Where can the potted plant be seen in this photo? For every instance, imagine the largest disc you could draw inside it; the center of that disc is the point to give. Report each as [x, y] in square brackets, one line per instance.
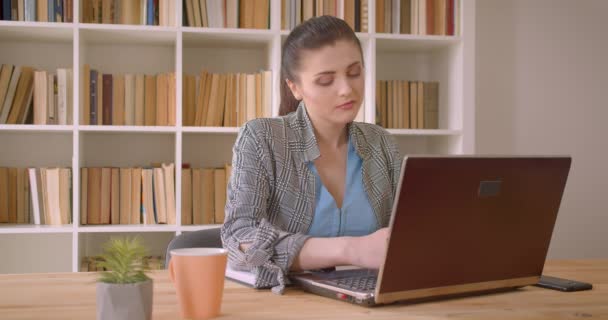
[124, 291]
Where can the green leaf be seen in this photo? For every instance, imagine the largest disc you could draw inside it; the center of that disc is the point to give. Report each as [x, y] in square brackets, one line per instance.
[123, 260]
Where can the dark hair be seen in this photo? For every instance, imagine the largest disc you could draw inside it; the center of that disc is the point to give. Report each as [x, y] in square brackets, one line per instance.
[313, 34]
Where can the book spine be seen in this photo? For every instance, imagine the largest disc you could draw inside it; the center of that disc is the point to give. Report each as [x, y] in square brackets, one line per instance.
[93, 93]
[58, 10]
[107, 99]
[150, 13]
[6, 10]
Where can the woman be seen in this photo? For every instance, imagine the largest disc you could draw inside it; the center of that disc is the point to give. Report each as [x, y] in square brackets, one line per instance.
[311, 189]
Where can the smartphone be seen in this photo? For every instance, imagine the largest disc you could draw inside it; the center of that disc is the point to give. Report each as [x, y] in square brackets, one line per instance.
[562, 284]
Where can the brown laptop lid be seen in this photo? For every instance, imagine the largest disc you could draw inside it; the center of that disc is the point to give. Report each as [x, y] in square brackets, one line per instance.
[469, 220]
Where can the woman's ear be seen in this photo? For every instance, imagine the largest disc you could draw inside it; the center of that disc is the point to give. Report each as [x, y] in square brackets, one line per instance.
[294, 89]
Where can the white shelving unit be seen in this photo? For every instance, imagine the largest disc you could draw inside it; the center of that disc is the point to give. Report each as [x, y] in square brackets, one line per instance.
[150, 49]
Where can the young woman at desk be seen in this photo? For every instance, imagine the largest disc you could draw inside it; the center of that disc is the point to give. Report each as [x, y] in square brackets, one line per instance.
[311, 188]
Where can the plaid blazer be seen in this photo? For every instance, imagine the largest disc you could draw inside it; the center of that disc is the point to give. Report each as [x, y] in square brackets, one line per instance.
[271, 192]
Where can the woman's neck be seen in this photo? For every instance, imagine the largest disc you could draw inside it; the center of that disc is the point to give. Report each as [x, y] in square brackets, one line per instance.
[329, 135]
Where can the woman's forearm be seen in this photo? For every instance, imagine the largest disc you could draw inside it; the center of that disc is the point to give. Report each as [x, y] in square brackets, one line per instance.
[318, 253]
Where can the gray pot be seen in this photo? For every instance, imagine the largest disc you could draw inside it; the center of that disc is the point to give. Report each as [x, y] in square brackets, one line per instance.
[124, 301]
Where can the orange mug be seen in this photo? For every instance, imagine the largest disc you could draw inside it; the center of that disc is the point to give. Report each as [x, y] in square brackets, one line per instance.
[198, 277]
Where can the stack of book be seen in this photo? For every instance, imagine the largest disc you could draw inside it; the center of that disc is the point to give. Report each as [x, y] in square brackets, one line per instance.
[37, 10]
[294, 12]
[35, 196]
[407, 104]
[91, 263]
[29, 96]
[204, 195]
[250, 14]
[422, 17]
[229, 100]
[128, 99]
[128, 195]
[142, 12]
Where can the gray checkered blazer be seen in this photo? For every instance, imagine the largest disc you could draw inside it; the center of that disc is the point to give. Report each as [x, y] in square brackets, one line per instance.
[271, 193]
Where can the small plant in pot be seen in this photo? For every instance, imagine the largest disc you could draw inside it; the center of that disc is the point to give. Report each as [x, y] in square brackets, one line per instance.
[124, 291]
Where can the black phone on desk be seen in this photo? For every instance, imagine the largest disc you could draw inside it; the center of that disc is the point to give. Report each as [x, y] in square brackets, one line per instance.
[560, 284]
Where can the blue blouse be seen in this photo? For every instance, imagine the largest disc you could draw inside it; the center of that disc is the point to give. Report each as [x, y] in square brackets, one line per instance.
[356, 217]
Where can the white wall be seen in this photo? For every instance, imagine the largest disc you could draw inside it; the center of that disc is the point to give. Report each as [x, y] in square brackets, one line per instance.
[542, 88]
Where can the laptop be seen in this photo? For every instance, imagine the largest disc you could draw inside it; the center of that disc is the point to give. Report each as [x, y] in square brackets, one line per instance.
[460, 225]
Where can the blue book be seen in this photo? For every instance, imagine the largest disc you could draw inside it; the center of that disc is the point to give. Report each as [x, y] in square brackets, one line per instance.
[6, 10]
[51, 10]
[150, 13]
[58, 10]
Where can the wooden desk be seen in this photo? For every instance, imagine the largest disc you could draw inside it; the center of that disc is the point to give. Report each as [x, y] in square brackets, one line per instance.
[72, 296]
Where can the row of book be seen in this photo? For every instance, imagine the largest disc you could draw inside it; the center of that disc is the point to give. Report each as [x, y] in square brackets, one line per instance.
[247, 14]
[128, 195]
[91, 263]
[407, 104]
[421, 17]
[229, 100]
[294, 12]
[140, 12]
[128, 99]
[204, 195]
[29, 96]
[37, 10]
[35, 196]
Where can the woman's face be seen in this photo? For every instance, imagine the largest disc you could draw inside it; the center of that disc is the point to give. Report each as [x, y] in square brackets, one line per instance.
[330, 80]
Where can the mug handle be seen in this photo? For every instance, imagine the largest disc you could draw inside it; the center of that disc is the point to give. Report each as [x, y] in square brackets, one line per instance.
[171, 271]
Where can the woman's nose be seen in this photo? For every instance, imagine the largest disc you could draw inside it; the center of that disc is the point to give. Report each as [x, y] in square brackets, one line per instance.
[345, 87]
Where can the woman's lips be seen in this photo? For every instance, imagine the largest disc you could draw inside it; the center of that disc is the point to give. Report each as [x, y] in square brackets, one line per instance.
[347, 106]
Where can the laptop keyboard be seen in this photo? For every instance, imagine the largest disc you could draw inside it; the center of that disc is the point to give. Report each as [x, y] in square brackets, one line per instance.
[364, 283]
[363, 280]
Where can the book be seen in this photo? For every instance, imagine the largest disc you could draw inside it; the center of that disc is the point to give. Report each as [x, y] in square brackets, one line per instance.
[219, 181]
[12, 195]
[136, 206]
[150, 100]
[40, 97]
[169, 182]
[125, 195]
[10, 94]
[186, 213]
[115, 196]
[208, 196]
[94, 196]
[4, 196]
[84, 180]
[243, 277]
[106, 194]
[85, 109]
[5, 78]
[197, 196]
[118, 100]
[23, 92]
[64, 186]
[129, 101]
[139, 99]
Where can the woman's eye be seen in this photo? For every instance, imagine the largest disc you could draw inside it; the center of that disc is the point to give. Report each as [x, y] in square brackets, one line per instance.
[355, 72]
[324, 81]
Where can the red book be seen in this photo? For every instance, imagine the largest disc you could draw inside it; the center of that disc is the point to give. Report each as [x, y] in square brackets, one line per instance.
[450, 18]
[107, 99]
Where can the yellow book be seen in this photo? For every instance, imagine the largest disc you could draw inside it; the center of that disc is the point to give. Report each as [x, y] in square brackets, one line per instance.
[186, 196]
[208, 196]
[219, 181]
[125, 195]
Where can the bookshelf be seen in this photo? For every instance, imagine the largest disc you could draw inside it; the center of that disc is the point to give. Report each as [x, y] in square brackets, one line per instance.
[450, 60]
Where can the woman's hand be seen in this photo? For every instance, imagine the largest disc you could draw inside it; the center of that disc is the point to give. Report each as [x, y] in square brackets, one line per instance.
[368, 251]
